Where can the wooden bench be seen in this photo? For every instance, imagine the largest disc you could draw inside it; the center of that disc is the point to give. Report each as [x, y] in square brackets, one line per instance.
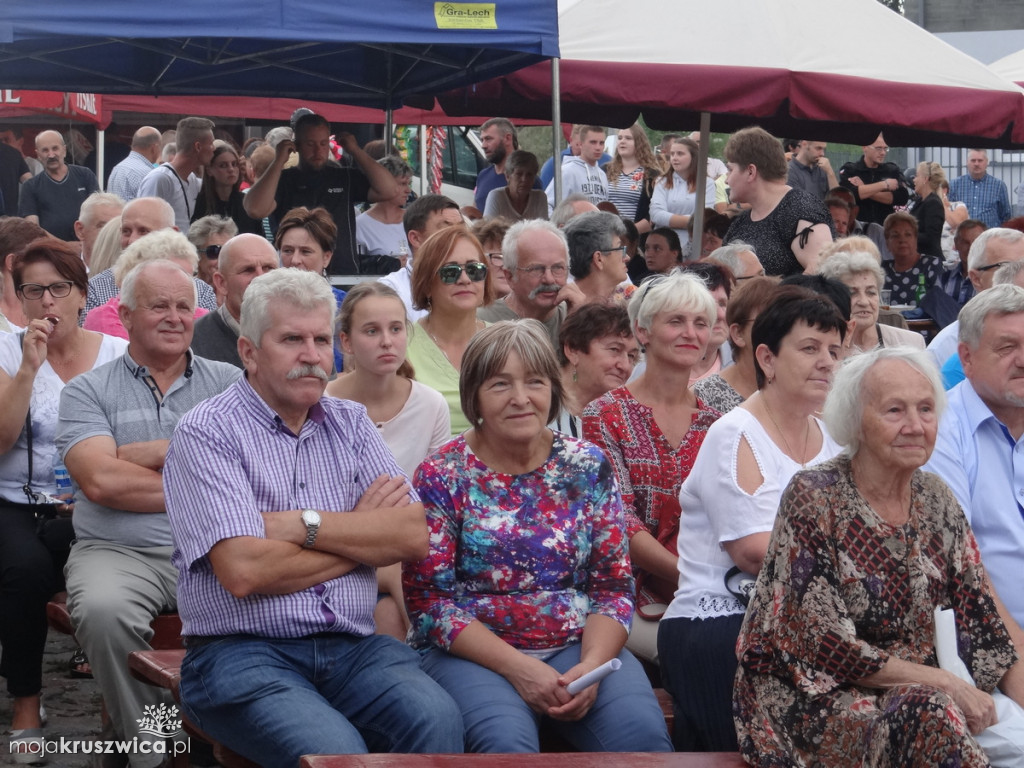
[567, 760]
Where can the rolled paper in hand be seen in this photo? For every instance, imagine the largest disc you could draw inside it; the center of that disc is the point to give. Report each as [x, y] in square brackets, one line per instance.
[593, 677]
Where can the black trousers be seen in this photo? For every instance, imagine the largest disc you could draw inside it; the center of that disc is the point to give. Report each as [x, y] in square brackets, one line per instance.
[31, 570]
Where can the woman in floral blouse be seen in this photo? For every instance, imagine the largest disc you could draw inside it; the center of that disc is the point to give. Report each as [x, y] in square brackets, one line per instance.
[651, 430]
[527, 585]
[837, 652]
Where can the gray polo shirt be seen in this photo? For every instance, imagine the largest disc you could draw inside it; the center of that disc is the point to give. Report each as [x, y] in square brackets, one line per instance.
[809, 178]
[118, 400]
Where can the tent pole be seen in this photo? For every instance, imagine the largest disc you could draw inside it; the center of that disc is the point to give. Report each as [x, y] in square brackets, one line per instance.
[556, 129]
[702, 180]
[389, 129]
[100, 156]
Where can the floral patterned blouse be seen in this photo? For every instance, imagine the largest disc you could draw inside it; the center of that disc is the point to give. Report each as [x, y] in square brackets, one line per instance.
[841, 591]
[530, 556]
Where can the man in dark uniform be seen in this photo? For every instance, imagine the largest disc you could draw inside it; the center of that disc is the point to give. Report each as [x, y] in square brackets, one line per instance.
[879, 187]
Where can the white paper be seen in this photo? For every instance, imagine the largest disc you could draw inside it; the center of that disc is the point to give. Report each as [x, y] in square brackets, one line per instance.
[593, 676]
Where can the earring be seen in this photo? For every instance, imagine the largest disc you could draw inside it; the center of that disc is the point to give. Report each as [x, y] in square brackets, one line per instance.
[575, 378]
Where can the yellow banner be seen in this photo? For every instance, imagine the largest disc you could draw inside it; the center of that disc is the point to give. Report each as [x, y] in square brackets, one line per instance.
[465, 15]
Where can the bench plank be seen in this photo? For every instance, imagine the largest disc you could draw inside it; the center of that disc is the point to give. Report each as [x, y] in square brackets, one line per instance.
[540, 760]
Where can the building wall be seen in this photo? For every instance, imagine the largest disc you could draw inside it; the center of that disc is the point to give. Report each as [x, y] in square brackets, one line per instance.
[960, 16]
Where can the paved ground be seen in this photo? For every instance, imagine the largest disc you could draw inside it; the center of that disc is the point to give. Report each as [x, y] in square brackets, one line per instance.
[73, 705]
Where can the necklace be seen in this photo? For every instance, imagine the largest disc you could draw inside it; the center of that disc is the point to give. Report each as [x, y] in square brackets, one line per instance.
[479, 325]
[789, 450]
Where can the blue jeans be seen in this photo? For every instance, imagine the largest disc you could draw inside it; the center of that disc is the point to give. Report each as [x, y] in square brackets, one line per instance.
[274, 700]
[625, 718]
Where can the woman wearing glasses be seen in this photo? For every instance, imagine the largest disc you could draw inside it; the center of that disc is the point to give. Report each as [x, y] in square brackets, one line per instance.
[208, 234]
[51, 282]
[651, 430]
[450, 282]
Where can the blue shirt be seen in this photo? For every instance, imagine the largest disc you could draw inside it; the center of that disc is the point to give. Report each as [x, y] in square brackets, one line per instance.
[984, 466]
[986, 198]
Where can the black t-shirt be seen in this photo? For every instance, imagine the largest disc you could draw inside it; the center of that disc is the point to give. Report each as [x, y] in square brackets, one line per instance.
[57, 203]
[872, 210]
[12, 168]
[338, 190]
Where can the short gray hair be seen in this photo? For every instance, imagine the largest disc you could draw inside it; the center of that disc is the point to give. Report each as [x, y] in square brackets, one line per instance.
[842, 265]
[510, 244]
[844, 406]
[300, 290]
[488, 351]
[976, 256]
[94, 201]
[129, 286]
[729, 255]
[396, 166]
[1007, 274]
[208, 226]
[166, 244]
[664, 293]
[589, 232]
[997, 300]
[520, 158]
[563, 213]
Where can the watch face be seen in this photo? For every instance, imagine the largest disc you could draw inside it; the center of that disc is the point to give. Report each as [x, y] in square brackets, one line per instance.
[310, 517]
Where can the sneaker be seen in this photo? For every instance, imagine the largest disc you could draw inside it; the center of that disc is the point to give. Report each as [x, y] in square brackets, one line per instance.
[27, 746]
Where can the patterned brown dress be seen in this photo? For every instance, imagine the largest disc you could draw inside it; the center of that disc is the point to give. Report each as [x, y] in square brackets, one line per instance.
[840, 592]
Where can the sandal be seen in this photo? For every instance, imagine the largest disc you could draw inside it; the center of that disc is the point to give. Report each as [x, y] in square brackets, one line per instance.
[75, 664]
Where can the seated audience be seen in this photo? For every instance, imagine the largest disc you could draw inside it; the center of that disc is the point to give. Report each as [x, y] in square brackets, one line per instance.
[208, 234]
[597, 254]
[955, 280]
[597, 352]
[277, 603]
[729, 501]
[837, 651]
[724, 391]
[380, 236]
[107, 247]
[35, 524]
[662, 251]
[112, 433]
[519, 200]
[651, 430]
[859, 271]
[491, 233]
[527, 584]
[451, 283]
[15, 234]
[739, 258]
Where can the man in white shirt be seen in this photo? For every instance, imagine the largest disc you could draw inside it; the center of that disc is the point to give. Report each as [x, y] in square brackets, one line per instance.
[176, 181]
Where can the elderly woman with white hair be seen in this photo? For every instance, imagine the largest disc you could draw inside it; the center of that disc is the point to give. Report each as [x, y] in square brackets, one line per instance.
[163, 244]
[860, 272]
[651, 430]
[837, 651]
[527, 585]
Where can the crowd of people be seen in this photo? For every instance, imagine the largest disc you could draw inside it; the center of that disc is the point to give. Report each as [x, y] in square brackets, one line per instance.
[540, 438]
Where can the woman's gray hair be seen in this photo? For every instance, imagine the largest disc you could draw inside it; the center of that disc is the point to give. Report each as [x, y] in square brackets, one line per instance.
[841, 265]
[203, 229]
[520, 158]
[396, 166]
[997, 300]
[488, 351]
[510, 244]
[130, 283]
[728, 256]
[297, 289]
[162, 244]
[844, 406]
[107, 247]
[664, 293]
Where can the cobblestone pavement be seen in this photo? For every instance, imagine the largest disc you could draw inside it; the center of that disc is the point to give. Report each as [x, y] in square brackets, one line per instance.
[72, 706]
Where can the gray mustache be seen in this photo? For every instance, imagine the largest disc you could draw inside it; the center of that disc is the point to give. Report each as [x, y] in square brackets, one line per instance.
[307, 370]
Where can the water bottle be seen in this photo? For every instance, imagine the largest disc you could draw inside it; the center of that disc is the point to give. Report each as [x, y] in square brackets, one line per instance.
[61, 478]
[922, 289]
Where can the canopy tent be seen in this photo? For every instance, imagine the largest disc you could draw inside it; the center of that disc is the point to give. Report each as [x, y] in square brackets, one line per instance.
[80, 107]
[1010, 67]
[346, 51]
[831, 69]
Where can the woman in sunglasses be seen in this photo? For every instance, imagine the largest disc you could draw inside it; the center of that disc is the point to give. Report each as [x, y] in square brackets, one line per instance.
[451, 282]
[208, 234]
[51, 282]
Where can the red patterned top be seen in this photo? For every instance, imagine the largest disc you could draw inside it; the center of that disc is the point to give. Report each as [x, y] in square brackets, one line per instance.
[648, 468]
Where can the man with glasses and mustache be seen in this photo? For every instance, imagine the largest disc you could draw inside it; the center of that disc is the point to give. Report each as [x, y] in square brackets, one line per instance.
[276, 541]
[114, 427]
[536, 264]
[879, 187]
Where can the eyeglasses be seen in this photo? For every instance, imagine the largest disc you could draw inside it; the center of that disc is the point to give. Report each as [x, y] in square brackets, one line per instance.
[997, 265]
[450, 273]
[880, 149]
[213, 251]
[538, 270]
[748, 277]
[619, 249]
[495, 258]
[33, 291]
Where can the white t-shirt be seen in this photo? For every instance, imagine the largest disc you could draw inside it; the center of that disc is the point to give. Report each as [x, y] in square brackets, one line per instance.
[420, 428]
[378, 237]
[45, 404]
[715, 510]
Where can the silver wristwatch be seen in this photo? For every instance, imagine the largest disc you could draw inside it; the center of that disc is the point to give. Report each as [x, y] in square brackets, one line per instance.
[312, 520]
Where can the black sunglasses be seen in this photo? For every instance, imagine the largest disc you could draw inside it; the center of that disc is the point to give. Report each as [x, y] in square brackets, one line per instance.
[475, 271]
[213, 251]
